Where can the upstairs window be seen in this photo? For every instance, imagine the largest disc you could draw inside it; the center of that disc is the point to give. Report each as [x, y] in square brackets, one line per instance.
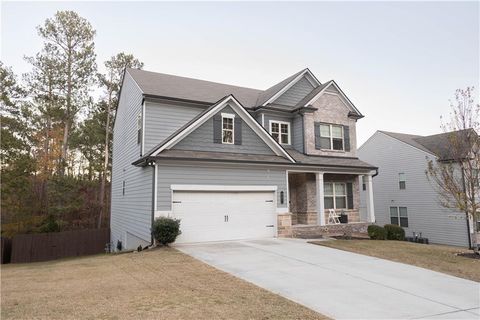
[402, 181]
[280, 131]
[331, 137]
[139, 128]
[399, 216]
[227, 128]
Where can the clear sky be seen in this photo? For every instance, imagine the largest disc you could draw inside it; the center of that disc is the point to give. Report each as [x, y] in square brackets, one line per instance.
[399, 62]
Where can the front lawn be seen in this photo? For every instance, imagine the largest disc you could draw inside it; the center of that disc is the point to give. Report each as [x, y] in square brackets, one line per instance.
[434, 257]
[159, 283]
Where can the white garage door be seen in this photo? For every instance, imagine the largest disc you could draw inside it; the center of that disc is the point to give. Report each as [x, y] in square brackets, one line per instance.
[216, 216]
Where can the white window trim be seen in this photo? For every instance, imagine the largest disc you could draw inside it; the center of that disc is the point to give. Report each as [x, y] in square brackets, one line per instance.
[400, 180]
[398, 214]
[334, 195]
[229, 116]
[280, 130]
[331, 136]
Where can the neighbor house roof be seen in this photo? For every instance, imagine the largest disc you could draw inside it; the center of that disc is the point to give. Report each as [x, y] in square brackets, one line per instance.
[438, 144]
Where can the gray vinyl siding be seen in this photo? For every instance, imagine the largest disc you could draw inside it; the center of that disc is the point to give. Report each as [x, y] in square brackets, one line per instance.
[297, 133]
[425, 214]
[161, 120]
[296, 93]
[201, 139]
[219, 174]
[130, 213]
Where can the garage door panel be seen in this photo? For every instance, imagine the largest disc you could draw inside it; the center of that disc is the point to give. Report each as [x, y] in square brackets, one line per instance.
[203, 215]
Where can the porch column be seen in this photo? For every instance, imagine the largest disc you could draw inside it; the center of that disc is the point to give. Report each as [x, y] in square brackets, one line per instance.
[370, 208]
[320, 199]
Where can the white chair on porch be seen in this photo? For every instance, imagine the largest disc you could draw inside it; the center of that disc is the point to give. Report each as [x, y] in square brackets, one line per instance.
[333, 217]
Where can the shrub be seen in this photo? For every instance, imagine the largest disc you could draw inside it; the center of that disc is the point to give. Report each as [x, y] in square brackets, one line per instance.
[166, 230]
[376, 232]
[394, 232]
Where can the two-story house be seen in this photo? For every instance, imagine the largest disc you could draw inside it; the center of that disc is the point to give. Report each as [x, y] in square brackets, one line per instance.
[404, 194]
[233, 162]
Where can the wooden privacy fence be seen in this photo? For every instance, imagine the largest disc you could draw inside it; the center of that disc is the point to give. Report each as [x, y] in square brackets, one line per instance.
[50, 246]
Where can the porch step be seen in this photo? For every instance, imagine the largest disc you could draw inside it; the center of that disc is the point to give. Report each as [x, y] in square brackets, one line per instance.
[358, 229]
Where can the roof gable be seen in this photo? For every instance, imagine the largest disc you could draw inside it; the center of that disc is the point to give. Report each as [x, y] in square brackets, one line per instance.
[210, 112]
[201, 139]
[272, 93]
[330, 87]
[296, 92]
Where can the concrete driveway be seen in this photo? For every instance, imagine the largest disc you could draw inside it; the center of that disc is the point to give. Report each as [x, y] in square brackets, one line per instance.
[340, 284]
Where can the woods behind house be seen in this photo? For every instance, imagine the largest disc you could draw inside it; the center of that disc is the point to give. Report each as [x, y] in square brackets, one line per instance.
[56, 124]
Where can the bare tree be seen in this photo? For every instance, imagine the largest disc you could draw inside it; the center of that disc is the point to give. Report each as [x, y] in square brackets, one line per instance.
[456, 172]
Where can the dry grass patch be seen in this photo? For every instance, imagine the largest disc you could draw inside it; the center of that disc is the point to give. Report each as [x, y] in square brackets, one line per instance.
[434, 257]
[161, 283]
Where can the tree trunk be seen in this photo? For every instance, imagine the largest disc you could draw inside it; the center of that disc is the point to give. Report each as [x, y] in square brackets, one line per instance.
[105, 163]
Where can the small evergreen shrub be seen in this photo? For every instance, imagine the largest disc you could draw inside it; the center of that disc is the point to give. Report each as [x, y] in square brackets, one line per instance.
[376, 232]
[166, 230]
[394, 232]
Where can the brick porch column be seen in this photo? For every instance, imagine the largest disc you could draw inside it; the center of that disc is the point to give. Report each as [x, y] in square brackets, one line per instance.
[370, 207]
[320, 199]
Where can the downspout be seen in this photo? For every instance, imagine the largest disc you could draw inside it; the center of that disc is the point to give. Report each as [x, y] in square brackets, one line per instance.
[154, 167]
[466, 213]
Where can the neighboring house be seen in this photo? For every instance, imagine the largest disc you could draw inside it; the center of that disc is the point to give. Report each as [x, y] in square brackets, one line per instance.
[403, 193]
[232, 162]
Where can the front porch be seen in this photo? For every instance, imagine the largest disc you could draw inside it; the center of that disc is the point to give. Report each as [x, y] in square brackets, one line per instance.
[327, 204]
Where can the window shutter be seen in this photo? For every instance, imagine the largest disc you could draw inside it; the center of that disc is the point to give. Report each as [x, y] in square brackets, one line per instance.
[217, 128]
[237, 127]
[317, 135]
[349, 195]
[346, 137]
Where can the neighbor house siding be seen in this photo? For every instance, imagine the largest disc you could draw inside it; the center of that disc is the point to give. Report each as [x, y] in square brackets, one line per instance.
[201, 139]
[130, 213]
[162, 119]
[296, 93]
[219, 174]
[425, 214]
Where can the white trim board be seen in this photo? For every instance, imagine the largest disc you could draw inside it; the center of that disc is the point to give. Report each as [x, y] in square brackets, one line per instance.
[205, 187]
[244, 115]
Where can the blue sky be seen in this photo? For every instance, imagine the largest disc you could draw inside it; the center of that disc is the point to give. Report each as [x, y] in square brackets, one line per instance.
[399, 62]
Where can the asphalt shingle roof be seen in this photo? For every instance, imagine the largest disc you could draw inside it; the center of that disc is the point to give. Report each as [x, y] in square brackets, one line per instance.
[166, 85]
[439, 144]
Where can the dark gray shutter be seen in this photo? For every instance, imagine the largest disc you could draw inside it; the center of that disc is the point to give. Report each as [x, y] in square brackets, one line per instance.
[346, 137]
[237, 127]
[217, 128]
[349, 195]
[317, 135]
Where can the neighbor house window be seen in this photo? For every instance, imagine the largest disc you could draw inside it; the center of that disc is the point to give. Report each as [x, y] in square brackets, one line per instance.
[227, 128]
[331, 137]
[364, 185]
[399, 216]
[402, 181]
[139, 128]
[335, 195]
[280, 131]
